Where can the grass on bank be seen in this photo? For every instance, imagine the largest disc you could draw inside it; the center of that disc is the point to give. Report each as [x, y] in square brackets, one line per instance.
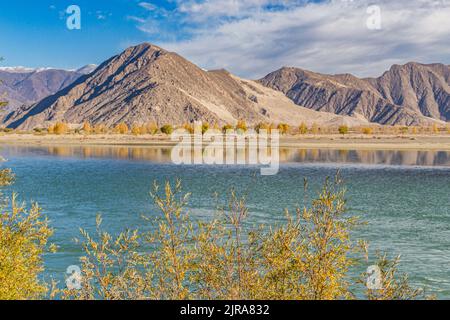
[307, 257]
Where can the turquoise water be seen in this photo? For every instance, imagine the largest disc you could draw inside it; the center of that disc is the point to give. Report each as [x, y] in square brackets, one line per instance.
[404, 196]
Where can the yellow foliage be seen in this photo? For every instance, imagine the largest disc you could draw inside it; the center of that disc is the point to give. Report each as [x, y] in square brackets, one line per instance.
[303, 128]
[189, 128]
[263, 126]
[99, 129]
[367, 130]
[308, 257]
[121, 128]
[87, 128]
[435, 129]
[58, 128]
[343, 129]
[138, 130]
[167, 129]
[205, 127]
[24, 236]
[315, 128]
[227, 128]
[241, 126]
[283, 128]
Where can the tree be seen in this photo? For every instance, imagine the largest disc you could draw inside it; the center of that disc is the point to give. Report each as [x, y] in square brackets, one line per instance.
[306, 258]
[137, 130]
[263, 126]
[367, 130]
[121, 128]
[24, 235]
[283, 128]
[87, 128]
[435, 129]
[99, 128]
[205, 127]
[167, 129]
[343, 130]
[315, 129]
[227, 128]
[303, 128]
[152, 128]
[61, 128]
[241, 126]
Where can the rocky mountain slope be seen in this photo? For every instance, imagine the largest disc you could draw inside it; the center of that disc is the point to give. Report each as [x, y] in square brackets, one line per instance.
[412, 94]
[146, 83]
[24, 86]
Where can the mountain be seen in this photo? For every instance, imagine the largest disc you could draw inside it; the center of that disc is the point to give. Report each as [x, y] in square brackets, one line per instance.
[87, 69]
[412, 94]
[24, 86]
[146, 83]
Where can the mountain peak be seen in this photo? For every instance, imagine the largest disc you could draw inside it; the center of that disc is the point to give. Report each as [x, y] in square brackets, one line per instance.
[87, 69]
[144, 47]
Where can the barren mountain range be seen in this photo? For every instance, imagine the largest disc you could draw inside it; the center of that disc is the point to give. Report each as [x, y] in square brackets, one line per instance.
[411, 94]
[25, 86]
[146, 83]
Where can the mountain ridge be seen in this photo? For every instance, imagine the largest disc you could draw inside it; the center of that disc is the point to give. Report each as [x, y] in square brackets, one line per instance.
[146, 83]
[25, 86]
[410, 94]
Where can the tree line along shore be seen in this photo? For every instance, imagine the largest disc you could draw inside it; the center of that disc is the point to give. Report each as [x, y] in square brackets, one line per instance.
[62, 128]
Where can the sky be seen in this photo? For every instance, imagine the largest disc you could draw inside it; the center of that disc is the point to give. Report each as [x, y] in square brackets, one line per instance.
[247, 37]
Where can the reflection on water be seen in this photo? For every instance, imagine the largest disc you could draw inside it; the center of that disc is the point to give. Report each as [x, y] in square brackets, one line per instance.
[287, 155]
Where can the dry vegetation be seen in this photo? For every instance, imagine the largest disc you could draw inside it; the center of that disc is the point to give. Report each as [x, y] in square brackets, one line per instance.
[306, 257]
[61, 128]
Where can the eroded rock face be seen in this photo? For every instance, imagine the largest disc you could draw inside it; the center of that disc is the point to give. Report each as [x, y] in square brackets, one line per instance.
[412, 94]
[146, 83]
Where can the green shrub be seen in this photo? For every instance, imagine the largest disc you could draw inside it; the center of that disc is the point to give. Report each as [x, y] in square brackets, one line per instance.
[167, 129]
[343, 130]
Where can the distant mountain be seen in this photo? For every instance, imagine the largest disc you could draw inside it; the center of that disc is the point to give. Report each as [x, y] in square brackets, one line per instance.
[146, 83]
[87, 69]
[412, 94]
[25, 86]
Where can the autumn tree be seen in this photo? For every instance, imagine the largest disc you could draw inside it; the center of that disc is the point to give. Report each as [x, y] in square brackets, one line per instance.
[367, 130]
[121, 128]
[315, 129]
[167, 129]
[24, 235]
[303, 128]
[241, 126]
[87, 128]
[283, 128]
[58, 128]
[343, 129]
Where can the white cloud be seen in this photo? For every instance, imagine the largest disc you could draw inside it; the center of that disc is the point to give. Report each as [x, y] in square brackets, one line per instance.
[148, 6]
[254, 37]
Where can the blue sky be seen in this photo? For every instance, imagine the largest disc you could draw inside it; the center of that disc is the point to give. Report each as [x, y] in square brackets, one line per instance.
[34, 33]
[247, 37]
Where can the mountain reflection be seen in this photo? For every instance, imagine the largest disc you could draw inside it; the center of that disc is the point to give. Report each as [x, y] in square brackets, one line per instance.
[287, 155]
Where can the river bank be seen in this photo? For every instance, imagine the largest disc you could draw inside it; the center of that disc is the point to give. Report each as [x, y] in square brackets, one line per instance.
[348, 142]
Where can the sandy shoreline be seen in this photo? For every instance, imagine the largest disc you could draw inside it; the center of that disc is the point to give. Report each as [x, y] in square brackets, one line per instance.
[349, 142]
